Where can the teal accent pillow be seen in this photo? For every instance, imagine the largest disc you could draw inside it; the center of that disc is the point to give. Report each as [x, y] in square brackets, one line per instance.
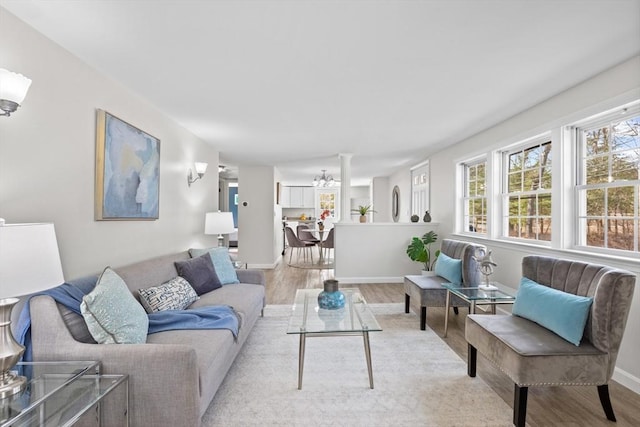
[449, 268]
[222, 263]
[563, 313]
[112, 314]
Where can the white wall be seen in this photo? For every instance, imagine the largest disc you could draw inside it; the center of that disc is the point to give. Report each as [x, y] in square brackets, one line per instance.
[609, 89]
[47, 157]
[375, 252]
[381, 199]
[260, 221]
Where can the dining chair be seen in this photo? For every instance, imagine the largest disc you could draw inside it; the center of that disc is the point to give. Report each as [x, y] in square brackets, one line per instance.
[305, 235]
[327, 244]
[294, 242]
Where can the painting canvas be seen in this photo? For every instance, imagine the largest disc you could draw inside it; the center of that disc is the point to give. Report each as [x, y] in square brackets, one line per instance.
[127, 171]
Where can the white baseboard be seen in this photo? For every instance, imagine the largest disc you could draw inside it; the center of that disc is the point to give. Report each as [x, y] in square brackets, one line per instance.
[370, 279]
[626, 379]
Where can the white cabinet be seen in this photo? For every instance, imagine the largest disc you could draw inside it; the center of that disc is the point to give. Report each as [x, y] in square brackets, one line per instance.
[298, 197]
[308, 197]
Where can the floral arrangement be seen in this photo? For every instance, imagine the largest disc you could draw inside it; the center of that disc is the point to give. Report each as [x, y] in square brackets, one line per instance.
[325, 213]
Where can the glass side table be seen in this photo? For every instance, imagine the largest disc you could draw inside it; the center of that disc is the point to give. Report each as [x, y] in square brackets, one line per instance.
[60, 393]
[475, 295]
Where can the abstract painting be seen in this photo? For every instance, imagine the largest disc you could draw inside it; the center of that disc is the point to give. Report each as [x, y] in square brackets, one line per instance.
[127, 171]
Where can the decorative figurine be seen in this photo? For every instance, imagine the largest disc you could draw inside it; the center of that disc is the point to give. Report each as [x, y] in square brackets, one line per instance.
[486, 266]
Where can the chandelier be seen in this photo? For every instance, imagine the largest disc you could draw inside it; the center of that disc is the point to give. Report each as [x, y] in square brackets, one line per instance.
[323, 180]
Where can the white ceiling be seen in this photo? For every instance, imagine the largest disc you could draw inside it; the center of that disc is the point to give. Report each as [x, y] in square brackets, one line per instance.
[294, 83]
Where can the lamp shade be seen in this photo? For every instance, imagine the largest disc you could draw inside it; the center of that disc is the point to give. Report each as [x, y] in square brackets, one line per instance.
[218, 223]
[13, 86]
[201, 167]
[29, 259]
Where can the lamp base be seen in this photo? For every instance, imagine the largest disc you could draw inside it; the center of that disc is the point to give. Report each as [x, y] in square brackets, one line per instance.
[11, 383]
[10, 352]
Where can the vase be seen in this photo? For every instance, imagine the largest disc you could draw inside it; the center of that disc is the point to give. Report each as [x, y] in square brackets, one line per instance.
[320, 226]
[427, 217]
[363, 218]
[331, 298]
[415, 218]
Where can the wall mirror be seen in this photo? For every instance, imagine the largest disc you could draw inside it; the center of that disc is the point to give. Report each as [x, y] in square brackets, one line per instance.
[395, 204]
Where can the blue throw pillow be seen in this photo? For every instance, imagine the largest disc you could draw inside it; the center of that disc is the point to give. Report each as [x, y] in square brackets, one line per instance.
[221, 263]
[112, 313]
[561, 312]
[449, 268]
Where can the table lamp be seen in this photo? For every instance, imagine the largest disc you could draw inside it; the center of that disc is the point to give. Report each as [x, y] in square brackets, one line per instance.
[29, 262]
[219, 223]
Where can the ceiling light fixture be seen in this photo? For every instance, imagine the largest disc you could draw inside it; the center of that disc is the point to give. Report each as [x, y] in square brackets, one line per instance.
[323, 180]
[13, 89]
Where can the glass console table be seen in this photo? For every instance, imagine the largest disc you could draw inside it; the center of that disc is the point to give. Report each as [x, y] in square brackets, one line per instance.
[60, 393]
[475, 295]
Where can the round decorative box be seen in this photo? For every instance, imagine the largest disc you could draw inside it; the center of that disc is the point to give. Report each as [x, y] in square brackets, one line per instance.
[331, 298]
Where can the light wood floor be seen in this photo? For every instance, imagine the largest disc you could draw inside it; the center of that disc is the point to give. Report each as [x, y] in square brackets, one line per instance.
[548, 406]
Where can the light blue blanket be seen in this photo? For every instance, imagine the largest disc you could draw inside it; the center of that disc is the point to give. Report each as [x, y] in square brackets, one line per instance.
[70, 295]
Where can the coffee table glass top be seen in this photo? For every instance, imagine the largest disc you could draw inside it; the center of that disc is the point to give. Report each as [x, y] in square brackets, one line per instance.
[477, 293]
[307, 317]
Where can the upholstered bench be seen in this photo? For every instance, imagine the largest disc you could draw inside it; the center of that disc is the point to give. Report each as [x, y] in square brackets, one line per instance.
[573, 354]
[428, 289]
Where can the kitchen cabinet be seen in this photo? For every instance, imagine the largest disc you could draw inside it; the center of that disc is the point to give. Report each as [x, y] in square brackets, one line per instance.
[298, 197]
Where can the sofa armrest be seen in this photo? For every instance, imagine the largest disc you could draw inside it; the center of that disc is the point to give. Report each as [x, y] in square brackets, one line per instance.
[252, 276]
[149, 367]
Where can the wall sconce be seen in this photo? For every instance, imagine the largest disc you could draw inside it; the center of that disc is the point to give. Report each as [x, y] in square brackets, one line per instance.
[201, 168]
[13, 89]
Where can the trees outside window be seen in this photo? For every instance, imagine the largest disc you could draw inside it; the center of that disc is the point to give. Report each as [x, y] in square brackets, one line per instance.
[526, 192]
[475, 197]
[608, 189]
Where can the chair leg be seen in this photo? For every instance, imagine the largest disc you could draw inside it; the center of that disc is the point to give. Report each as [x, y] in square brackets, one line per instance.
[407, 298]
[455, 310]
[520, 405]
[472, 358]
[423, 318]
[603, 393]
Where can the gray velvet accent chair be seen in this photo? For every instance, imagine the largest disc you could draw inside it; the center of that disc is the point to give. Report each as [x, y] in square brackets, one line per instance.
[428, 290]
[294, 242]
[533, 356]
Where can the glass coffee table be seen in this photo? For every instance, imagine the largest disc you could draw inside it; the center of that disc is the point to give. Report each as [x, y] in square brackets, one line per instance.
[308, 320]
[475, 295]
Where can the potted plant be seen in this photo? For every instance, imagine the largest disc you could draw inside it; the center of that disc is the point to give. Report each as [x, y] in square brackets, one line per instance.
[420, 249]
[363, 211]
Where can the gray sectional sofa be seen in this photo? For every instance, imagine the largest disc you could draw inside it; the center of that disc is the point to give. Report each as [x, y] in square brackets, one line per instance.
[173, 376]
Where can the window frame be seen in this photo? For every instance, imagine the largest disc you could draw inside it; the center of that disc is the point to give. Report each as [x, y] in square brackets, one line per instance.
[581, 187]
[485, 199]
[505, 195]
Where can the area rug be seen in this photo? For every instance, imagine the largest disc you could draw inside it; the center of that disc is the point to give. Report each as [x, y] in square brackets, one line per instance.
[418, 380]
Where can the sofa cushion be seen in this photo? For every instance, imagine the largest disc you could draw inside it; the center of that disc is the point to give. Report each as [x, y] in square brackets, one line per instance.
[221, 260]
[200, 273]
[112, 313]
[560, 312]
[176, 294]
[449, 268]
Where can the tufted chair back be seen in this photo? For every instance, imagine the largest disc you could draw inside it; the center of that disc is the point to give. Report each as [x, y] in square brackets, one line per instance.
[610, 288]
[464, 251]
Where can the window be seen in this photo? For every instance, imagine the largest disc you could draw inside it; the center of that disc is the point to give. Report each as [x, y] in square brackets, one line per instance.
[608, 190]
[526, 193]
[420, 190]
[475, 197]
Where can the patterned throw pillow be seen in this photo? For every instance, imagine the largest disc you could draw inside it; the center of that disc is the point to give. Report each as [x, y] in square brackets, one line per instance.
[176, 294]
[112, 313]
